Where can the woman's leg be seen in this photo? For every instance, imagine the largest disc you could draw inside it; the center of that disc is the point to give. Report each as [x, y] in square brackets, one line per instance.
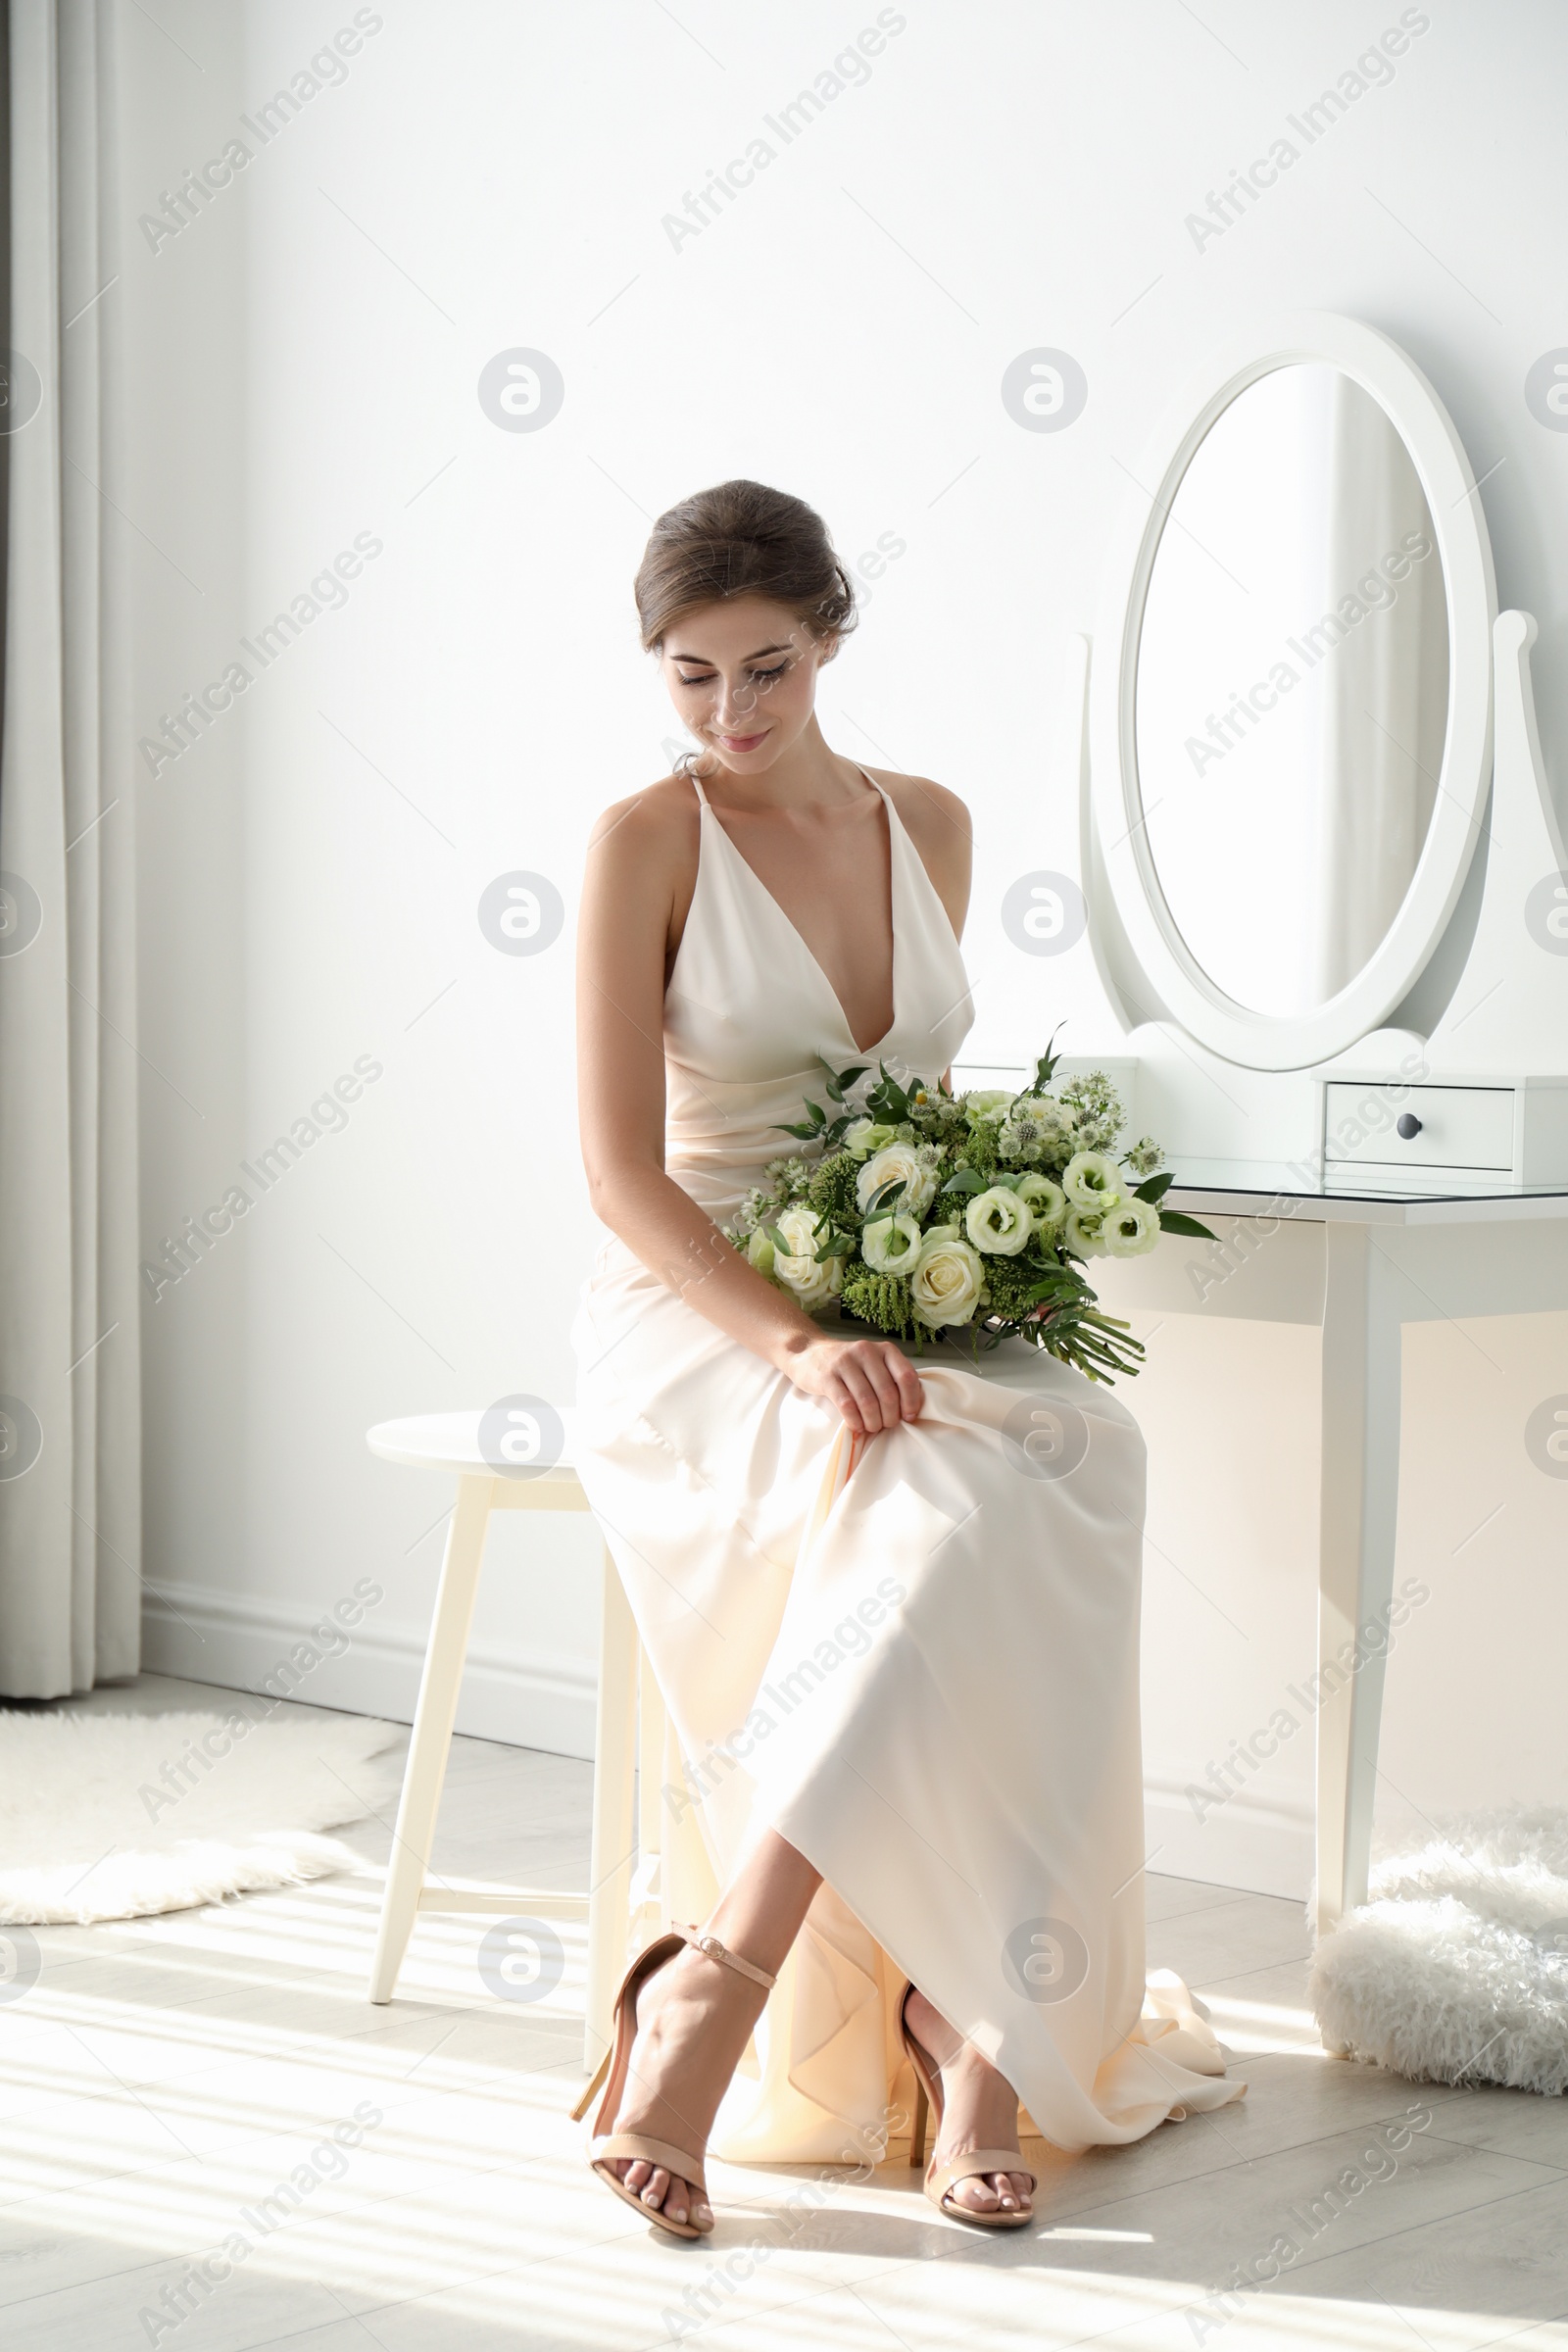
[695, 2018]
[980, 2110]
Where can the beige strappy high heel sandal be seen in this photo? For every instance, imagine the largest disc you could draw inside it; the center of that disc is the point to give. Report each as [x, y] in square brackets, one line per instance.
[609, 2149]
[941, 2179]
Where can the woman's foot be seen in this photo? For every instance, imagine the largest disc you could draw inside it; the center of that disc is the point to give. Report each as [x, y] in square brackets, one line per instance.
[980, 2110]
[694, 2018]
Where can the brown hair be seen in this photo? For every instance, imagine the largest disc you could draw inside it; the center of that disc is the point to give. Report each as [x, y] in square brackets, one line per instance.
[742, 539]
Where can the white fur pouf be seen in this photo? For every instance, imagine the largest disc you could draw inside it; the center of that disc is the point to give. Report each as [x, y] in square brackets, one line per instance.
[1455, 1969]
[117, 1816]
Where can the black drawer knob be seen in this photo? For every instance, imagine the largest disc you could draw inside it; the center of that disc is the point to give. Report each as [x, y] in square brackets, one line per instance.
[1407, 1125]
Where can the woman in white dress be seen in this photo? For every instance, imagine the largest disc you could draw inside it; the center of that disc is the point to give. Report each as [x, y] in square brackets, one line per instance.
[899, 1650]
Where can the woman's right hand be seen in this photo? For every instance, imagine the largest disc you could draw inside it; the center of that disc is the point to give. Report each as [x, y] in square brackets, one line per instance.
[870, 1382]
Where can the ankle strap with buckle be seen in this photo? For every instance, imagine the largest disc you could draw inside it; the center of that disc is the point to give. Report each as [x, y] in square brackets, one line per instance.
[702, 1941]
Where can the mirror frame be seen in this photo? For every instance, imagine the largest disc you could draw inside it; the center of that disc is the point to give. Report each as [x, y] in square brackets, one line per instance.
[1267, 1041]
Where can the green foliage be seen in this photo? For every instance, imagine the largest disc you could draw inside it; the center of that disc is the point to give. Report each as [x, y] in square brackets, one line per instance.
[887, 1099]
[1175, 1220]
[880, 1299]
[1045, 1067]
[980, 1151]
[1014, 1284]
[831, 1190]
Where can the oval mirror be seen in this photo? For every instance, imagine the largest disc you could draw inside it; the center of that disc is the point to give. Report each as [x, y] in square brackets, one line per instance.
[1292, 694]
[1291, 690]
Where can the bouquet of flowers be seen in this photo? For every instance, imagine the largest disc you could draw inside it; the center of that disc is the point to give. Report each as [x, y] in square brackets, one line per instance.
[927, 1214]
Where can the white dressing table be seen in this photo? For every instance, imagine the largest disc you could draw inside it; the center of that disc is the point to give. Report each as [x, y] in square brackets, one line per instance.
[1327, 898]
[1361, 1264]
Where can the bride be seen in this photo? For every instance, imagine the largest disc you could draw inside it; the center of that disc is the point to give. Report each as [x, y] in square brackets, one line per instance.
[898, 1654]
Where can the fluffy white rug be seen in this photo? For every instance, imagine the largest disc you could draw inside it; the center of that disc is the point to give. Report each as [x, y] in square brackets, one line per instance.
[115, 1816]
[1456, 1966]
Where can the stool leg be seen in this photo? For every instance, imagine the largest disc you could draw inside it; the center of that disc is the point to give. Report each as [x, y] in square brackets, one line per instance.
[431, 1742]
[610, 1870]
[648, 1887]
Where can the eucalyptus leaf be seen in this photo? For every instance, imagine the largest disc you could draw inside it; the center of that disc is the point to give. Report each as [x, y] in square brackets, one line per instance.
[887, 1099]
[1174, 1220]
[1046, 1067]
[840, 1081]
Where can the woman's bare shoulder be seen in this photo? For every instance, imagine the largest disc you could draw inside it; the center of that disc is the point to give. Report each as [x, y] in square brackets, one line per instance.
[927, 811]
[659, 821]
[938, 823]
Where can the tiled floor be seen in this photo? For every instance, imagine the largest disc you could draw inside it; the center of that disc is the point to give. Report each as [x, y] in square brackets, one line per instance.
[163, 2077]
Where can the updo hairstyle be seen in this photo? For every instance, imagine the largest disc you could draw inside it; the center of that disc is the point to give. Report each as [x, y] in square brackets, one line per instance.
[742, 539]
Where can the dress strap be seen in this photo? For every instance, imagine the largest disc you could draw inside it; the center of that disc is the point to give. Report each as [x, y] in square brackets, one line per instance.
[697, 781]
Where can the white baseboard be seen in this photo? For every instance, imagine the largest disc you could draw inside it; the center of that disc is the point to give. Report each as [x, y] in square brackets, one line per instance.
[524, 1698]
[1259, 1850]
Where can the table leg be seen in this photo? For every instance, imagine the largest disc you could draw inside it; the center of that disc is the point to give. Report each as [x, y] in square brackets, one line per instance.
[431, 1744]
[610, 1866]
[1361, 1332]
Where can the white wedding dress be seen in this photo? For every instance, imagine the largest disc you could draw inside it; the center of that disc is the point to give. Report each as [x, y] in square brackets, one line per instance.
[914, 1655]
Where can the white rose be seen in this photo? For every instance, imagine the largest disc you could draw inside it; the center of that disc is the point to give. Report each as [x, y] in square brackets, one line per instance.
[1084, 1234]
[795, 1266]
[987, 1103]
[1132, 1229]
[948, 1279]
[760, 1251]
[1092, 1181]
[865, 1136]
[1048, 1201]
[891, 1244]
[998, 1222]
[896, 1163]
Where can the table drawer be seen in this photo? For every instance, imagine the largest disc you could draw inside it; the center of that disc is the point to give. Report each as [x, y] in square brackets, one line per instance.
[1461, 1126]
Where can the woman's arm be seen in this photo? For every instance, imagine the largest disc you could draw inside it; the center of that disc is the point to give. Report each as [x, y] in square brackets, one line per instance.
[641, 862]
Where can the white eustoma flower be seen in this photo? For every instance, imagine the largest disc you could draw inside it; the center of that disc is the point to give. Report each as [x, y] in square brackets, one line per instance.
[898, 1163]
[1131, 1229]
[948, 1279]
[998, 1222]
[864, 1136]
[891, 1244]
[760, 1251]
[1048, 1202]
[987, 1103]
[1092, 1181]
[1084, 1234]
[795, 1266]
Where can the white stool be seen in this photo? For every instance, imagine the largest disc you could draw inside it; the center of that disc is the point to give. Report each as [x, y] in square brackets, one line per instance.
[615, 1904]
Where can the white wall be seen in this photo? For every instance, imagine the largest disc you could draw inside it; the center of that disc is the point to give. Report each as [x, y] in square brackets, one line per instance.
[306, 356]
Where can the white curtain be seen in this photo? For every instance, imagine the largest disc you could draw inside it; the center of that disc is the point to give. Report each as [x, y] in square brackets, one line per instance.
[69, 1421]
[1386, 690]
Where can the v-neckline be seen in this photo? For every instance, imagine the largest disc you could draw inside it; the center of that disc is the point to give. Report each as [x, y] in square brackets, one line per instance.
[793, 928]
